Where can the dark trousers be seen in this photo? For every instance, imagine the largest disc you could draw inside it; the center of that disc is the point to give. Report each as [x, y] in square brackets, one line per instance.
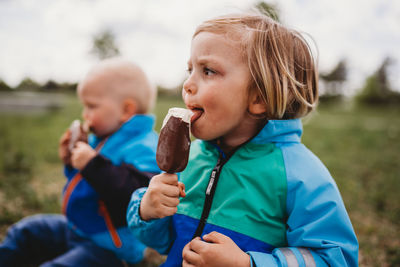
[46, 240]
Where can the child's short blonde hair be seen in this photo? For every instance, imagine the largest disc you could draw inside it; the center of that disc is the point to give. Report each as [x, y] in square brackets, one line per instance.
[122, 79]
[280, 62]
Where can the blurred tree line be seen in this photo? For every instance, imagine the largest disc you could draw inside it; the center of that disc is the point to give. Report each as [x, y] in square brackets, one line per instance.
[375, 91]
[28, 84]
[103, 47]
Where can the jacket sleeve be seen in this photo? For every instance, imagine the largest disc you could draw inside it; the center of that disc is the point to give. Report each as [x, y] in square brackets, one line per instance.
[319, 231]
[157, 233]
[114, 184]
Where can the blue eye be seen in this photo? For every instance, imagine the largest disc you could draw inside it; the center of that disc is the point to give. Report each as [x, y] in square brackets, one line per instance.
[208, 71]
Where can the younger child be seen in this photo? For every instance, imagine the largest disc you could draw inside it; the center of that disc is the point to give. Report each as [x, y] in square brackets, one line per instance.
[255, 196]
[101, 176]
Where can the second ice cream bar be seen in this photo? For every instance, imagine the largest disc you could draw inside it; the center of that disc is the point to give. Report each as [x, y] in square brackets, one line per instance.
[78, 133]
[174, 141]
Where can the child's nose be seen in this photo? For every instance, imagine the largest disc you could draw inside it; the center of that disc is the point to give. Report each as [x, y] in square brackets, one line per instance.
[189, 85]
[85, 114]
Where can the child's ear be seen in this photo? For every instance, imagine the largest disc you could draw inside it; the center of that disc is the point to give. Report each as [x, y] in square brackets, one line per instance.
[129, 109]
[256, 104]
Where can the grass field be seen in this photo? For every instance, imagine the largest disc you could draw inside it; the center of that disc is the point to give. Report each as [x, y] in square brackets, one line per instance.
[360, 146]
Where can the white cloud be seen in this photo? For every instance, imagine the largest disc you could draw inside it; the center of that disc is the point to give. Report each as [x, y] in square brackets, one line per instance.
[363, 32]
[47, 39]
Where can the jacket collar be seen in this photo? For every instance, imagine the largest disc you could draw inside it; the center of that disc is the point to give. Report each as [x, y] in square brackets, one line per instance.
[137, 124]
[279, 131]
[275, 131]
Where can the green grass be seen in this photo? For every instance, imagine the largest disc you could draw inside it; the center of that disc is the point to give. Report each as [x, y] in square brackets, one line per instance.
[359, 145]
[361, 148]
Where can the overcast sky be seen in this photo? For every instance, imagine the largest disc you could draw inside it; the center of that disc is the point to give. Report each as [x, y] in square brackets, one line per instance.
[51, 39]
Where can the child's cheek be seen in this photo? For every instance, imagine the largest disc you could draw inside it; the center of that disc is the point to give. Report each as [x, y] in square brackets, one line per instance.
[93, 123]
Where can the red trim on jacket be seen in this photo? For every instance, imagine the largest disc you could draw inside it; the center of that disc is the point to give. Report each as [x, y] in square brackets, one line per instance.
[110, 226]
[68, 191]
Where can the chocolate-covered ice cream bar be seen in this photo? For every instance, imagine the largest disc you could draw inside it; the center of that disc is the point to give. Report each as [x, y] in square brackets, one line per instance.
[174, 141]
[78, 133]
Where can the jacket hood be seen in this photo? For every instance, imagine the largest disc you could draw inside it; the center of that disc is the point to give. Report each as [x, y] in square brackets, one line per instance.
[139, 123]
[136, 125]
[280, 131]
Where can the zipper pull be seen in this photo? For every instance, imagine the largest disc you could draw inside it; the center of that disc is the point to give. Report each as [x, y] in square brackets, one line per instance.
[212, 176]
[211, 182]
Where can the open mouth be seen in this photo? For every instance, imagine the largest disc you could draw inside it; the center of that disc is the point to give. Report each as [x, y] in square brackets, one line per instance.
[197, 112]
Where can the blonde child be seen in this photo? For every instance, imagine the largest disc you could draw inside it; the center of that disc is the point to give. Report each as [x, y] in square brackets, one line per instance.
[255, 196]
[101, 176]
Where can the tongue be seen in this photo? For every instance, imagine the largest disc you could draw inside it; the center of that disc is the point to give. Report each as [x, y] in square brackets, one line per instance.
[196, 114]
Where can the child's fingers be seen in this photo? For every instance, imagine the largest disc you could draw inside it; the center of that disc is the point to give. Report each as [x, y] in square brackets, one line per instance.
[81, 144]
[182, 192]
[77, 148]
[169, 178]
[170, 190]
[197, 245]
[166, 184]
[63, 151]
[186, 264]
[75, 156]
[190, 257]
[156, 212]
[215, 237]
[170, 201]
[166, 211]
[65, 137]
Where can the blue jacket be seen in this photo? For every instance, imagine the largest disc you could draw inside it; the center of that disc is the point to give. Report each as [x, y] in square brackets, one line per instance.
[274, 199]
[95, 200]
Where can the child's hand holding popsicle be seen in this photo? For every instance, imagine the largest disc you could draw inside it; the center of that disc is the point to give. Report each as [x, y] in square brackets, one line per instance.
[162, 196]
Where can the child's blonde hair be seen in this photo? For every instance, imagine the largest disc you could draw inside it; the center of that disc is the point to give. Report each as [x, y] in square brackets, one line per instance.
[280, 62]
[124, 79]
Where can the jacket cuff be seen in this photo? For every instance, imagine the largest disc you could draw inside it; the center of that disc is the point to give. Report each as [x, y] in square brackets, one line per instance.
[93, 165]
[133, 214]
[69, 171]
[259, 259]
[287, 256]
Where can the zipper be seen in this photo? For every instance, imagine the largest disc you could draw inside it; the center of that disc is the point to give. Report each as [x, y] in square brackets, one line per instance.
[212, 186]
[210, 192]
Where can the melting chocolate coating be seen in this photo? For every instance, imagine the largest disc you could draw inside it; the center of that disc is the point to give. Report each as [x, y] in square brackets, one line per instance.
[173, 146]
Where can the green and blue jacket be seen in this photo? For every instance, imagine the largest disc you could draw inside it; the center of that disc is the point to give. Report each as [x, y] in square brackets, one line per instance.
[272, 197]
